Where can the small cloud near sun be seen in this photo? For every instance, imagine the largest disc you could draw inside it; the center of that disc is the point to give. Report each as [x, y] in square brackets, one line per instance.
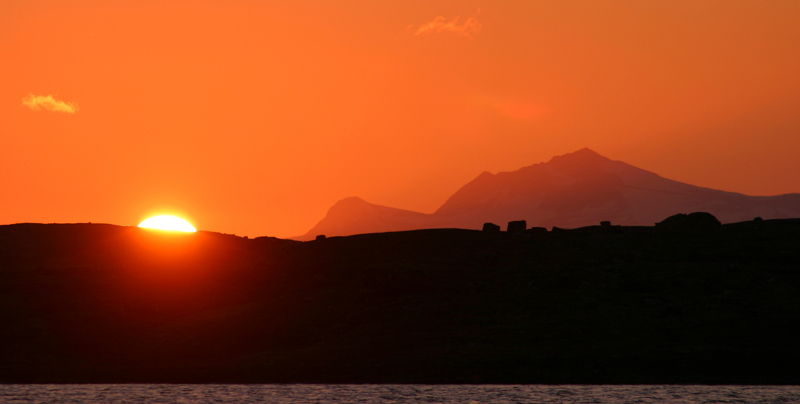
[440, 24]
[49, 103]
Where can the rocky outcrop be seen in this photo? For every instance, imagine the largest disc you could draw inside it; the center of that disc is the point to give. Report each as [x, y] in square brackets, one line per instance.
[516, 226]
[491, 228]
[696, 220]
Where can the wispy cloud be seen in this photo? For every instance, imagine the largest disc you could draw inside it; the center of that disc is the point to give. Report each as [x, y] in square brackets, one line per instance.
[49, 103]
[469, 27]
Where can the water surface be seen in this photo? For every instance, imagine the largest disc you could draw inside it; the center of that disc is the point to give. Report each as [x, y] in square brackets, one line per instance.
[383, 393]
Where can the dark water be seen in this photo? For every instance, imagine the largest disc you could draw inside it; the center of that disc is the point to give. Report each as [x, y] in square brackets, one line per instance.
[309, 393]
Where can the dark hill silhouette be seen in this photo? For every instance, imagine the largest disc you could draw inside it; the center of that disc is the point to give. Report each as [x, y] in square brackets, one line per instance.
[573, 190]
[690, 301]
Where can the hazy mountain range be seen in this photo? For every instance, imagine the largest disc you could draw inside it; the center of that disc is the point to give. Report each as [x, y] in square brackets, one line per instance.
[574, 190]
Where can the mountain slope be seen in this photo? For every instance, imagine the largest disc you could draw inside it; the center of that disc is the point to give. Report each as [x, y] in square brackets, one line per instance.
[573, 190]
[356, 216]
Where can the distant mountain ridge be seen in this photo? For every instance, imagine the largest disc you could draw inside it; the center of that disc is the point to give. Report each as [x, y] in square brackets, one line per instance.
[573, 190]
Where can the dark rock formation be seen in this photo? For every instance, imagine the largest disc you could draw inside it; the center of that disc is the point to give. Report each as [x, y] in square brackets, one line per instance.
[517, 226]
[696, 220]
[491, 228]
[536, 230]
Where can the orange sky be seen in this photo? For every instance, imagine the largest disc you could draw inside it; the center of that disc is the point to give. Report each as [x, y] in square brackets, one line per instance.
[254, 117]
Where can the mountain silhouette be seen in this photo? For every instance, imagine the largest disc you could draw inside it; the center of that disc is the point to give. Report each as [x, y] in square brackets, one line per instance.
[573, 190]
[355, 214]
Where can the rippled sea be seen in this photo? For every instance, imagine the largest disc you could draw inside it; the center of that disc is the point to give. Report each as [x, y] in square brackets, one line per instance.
[383, 393]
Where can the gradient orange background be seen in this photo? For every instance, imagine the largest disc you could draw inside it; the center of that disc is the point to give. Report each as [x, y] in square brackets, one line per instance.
[254, 117]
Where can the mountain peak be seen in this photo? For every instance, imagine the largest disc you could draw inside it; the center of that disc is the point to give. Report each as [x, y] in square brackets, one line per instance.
[351, 200]
[582, 154]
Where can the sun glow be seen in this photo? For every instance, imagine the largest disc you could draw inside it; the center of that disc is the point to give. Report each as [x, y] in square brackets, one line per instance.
[166, 222]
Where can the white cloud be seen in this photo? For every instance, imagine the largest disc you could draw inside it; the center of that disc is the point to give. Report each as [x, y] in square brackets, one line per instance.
[439, 24]
[49, 103]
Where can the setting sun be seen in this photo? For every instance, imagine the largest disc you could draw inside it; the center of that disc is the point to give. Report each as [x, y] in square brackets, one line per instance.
[166, 222]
